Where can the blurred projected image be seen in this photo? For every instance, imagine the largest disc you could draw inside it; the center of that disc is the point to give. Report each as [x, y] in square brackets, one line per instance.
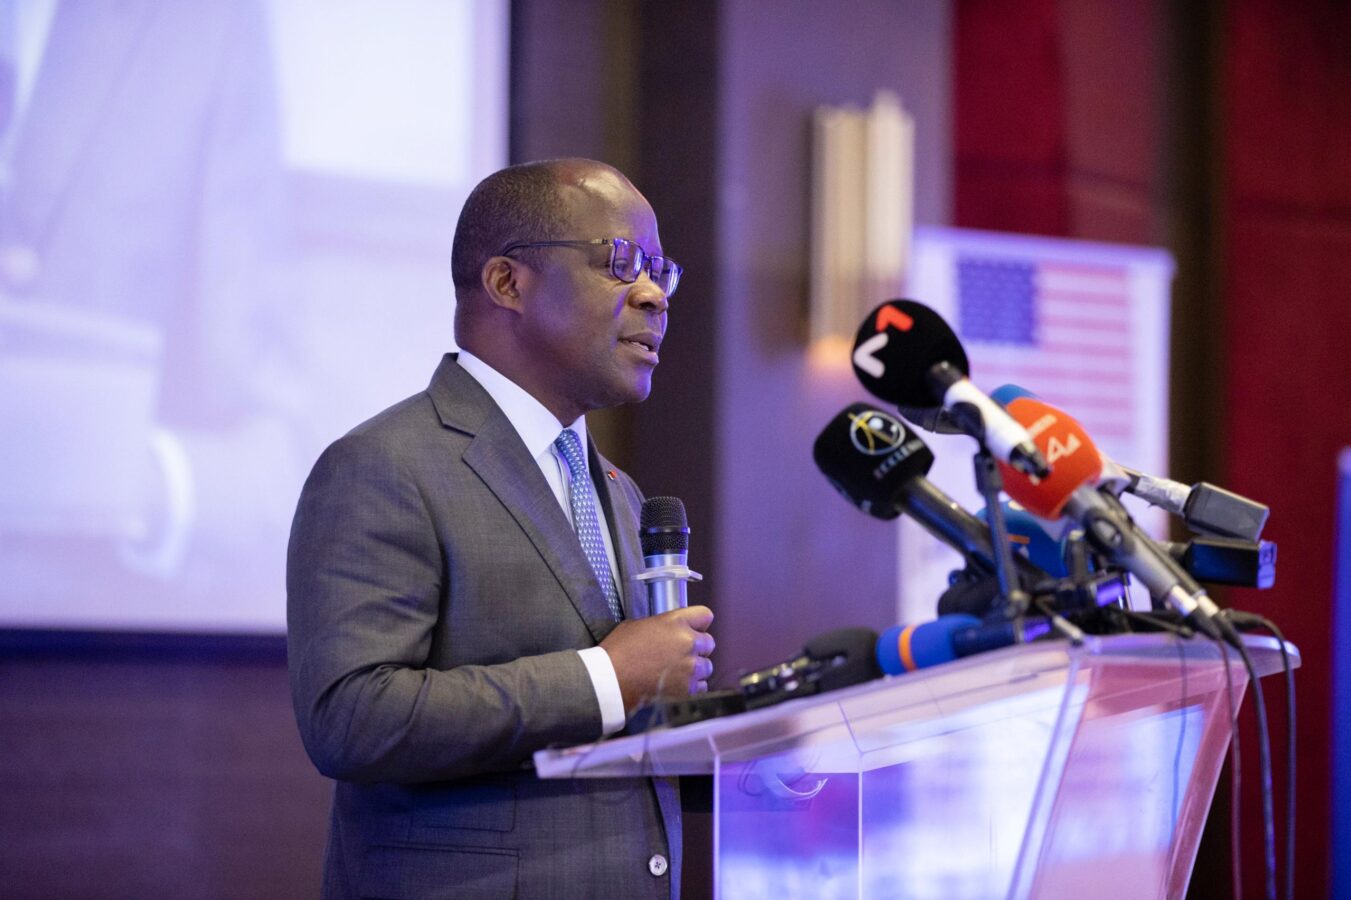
[198, 244]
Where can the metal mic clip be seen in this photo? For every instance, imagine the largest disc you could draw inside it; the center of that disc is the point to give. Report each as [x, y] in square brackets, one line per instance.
[666, 576]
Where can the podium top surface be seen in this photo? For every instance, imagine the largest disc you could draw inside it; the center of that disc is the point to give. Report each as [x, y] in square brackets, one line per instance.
[868, 724]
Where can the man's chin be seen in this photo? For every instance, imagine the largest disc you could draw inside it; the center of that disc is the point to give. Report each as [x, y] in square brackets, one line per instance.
[637, 390]
[640, 393]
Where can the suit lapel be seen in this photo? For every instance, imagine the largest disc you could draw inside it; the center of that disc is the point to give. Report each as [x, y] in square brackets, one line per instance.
[623, 519]
[88, 51]
[498, 456]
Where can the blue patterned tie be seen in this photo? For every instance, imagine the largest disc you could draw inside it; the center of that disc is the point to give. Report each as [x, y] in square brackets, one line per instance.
[584, 518]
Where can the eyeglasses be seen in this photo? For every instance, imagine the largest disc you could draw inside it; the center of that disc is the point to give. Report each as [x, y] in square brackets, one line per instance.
[627, 260]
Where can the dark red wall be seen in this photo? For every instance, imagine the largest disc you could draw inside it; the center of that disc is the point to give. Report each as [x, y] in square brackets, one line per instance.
[1222, 131]
[1057, 119]
[1287, 215]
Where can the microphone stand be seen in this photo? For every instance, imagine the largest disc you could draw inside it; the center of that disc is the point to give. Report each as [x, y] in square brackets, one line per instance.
[989, 483]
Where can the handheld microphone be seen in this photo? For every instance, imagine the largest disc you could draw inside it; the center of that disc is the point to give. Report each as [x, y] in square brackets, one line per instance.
[664, 534]
[1106, 524]
[878, 464]
[907, 355]
[905, 648]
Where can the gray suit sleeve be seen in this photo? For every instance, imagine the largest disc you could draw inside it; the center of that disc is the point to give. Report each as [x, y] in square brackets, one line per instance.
[365, 584]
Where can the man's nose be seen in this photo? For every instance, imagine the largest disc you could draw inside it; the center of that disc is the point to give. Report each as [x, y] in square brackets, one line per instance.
[645, 294]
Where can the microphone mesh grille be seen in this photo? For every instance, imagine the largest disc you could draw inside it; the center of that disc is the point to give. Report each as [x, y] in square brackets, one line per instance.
[663, 527]
[663, 512]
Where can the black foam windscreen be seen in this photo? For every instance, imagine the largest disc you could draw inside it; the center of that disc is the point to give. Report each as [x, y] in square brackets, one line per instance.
[662, 527]
[868, 455]
[849, 657]
[897, 345]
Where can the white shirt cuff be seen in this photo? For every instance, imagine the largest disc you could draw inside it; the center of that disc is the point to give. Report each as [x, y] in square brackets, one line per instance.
[606, 684]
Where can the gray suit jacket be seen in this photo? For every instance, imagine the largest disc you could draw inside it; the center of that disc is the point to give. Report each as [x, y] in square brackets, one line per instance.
[436, 597]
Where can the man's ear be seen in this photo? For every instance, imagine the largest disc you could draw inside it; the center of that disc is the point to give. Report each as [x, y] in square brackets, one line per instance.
[503, 279]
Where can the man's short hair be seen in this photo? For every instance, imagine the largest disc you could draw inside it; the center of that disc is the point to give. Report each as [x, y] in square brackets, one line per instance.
[518, 203]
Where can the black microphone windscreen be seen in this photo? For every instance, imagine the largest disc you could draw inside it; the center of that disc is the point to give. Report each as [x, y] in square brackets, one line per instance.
[850, 654]
[662, 526]
[896, 346]
[868, 455]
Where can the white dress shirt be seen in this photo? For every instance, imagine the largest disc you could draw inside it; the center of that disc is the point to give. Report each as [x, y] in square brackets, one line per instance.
[538, 430]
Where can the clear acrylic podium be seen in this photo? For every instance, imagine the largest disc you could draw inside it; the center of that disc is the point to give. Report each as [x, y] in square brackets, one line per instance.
[1042, 770]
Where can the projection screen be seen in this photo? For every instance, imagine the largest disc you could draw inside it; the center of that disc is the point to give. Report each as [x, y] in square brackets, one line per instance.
[225, 236]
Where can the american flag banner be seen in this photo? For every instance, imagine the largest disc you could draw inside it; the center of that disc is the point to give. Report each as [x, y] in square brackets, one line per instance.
[1082, 325]
[1062, 330]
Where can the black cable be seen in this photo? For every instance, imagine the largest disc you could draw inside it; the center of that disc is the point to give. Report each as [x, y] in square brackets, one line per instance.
[1235, 781]
[1289, 760]
[1264, 763]
[1244, 618]
[1167, 622]
[1181, 733]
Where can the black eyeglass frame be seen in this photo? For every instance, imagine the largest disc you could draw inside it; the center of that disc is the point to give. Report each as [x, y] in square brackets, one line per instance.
[666, 266]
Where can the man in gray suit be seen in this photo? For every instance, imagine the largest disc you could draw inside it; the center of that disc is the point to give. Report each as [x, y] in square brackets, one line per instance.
[462, 576]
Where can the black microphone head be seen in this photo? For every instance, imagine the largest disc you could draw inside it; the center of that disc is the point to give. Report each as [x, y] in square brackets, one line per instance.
[897, 344]
[849, 654]
[662, 527]
[869, 455]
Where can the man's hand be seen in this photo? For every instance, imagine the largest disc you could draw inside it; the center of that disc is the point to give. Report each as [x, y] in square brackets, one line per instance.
[662, 656]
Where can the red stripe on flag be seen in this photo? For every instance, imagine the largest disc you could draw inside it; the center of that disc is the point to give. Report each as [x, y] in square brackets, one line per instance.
[1101, 326]
[1086, 298]
[1094, 350]
[1082, 269]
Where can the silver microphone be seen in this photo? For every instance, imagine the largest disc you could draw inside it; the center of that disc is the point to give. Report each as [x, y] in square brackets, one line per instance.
[664, 535]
